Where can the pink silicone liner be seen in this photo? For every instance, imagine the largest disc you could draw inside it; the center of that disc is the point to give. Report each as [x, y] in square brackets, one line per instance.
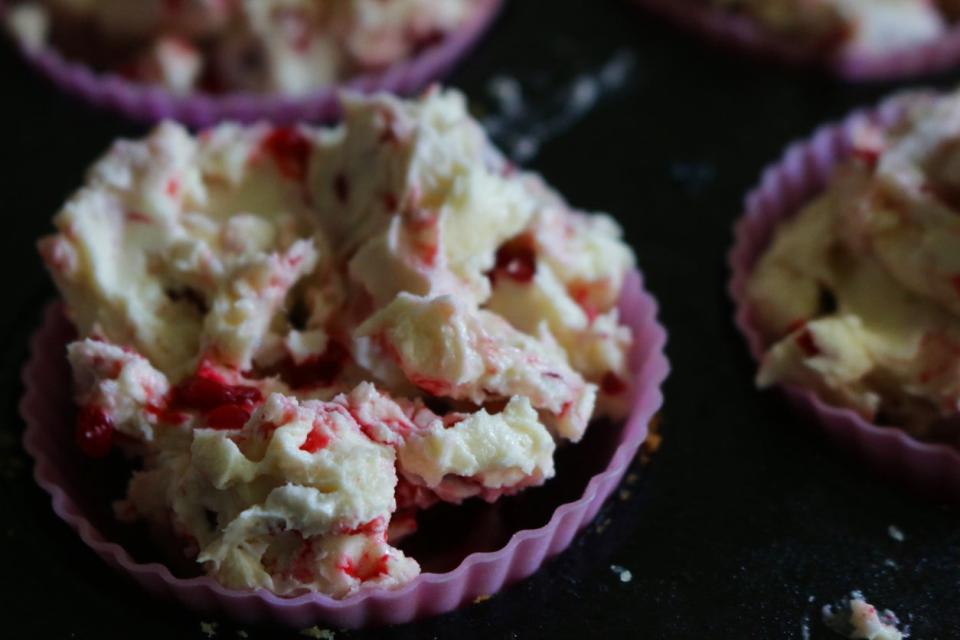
[785, 187]
[743, 34]
[429, 594]
[151, 103]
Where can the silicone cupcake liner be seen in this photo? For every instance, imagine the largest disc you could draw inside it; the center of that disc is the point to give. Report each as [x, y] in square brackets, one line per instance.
[745, 35]
[150, 103]
[48, 438]
[785, 187]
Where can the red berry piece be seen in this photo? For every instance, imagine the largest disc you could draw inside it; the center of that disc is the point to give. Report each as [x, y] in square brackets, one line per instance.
[228, 417]
[290, 150]
[94, 432]
[517, 260]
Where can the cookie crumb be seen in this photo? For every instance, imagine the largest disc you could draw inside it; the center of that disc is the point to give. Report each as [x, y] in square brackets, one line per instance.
[896, 533]
[652, 444]
[632, 478]
[209, 629]
[855, 618]
[603, 525]
[317, 633]
[625, 494]
[481, 598]
[625, 574]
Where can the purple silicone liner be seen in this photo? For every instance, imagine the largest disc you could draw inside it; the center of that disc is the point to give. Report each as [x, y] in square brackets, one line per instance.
[785, 187]
[42, 408]
[150, 103]
[745, 35]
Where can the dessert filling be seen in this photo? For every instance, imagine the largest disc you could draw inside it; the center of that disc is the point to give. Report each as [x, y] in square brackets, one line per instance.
[276, 46]
[309, 335]
[858, 294]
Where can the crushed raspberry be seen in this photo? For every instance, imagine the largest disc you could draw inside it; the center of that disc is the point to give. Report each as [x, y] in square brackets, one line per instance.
[869, 156]
[379, 568]
[796, 325]
[173, 187]
[341, 187]
[173, 6]
[317, 371]
[136, 216]
[807, 344]
[290, 150]
[612, 385]
[429, 39]
[374, 527]
[516, 260]
[228, 417]
[580, 292]
[389, 135]
[430, 385]
[165, 415]
[302, 566]
[315, 441]
[94, 433]
[390, 202]
[207, 390]
[428, 252]
[420, 219]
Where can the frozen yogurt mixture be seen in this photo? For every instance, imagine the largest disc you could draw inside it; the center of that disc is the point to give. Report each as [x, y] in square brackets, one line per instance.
[278, 46]
[858, 294]
[309, 335]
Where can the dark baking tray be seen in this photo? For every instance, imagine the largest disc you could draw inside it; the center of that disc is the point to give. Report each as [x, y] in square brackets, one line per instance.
[744, 524]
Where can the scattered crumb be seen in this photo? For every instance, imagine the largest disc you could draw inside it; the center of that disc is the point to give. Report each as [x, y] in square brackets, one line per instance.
[811, 598]
[891, 563]
[522, 121]
[209, 629]
[652, 444]
[856, 618]
[481, 598]
[603, 525]
[625, 494]
[632, 478]
[242, 634]
[805, 628]
[625, 574]
[896, 533]
[317, 633]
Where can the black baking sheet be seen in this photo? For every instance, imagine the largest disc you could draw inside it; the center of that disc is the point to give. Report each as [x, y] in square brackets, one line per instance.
[746, 522]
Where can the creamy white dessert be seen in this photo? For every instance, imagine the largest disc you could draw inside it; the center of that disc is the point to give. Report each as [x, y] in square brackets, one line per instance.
[309, 335]
[859, 293]
[279, 46]
[857, 26]
[858, 619]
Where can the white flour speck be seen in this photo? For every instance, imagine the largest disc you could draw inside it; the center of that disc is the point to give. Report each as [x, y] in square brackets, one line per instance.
[625, 574]
[521, 124]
